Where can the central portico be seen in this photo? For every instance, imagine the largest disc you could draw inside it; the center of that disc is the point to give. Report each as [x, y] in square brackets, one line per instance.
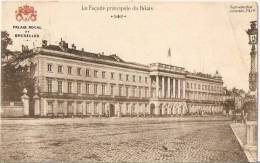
[167, 89]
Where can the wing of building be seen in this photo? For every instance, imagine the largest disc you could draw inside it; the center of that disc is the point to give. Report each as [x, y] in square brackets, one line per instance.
[75, 82]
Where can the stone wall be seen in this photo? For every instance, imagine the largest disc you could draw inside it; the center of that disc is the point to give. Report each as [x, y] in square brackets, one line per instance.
[12, 109]
[16, 108]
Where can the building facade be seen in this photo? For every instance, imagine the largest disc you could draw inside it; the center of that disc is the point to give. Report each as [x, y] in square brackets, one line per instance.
[74, 82]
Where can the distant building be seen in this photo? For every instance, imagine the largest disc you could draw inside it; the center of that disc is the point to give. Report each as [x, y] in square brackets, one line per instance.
[234, 99]
[75, 82]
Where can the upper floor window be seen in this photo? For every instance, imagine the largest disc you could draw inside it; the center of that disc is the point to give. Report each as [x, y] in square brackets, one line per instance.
[140, 79]
[69, 70]
[120, 90]
[145, 92]
[140, 92]
[87, 72]
[199, 86]
[120, 76]
[95, 108]
[60, 86]
[95, 73]
[133, 78]
[127, 77]
[103, 107]
[79, 71]
[112, 75]
[126, 91]
[95, 89]
[87, 88]
[112, 90]
[103, 74]
[103, 89]
[69, 87]
[49, 85]
[146, 80]
[133, 92]
[187, 85]
[78, 88]
[59, 69]
[50, 67]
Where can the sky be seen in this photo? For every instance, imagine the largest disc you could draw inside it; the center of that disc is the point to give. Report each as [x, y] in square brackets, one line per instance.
[203, 36]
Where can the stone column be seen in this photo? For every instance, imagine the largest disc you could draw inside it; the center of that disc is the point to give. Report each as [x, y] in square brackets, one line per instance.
[99, 109]
[25, 100]
[107, 109]
[138, 108]
[169, 88]
[179, 88]
[56, 107]
[163, 107]
[92, 106]
[184, 89]
[163, 88]
[251, 135]
[74, 108]
[84, 110]
[150, 87]
[173, 88]
[36, 105]
[157, 86]
[117, 109]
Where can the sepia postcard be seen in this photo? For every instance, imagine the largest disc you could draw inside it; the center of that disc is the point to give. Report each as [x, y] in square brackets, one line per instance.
[133, 81]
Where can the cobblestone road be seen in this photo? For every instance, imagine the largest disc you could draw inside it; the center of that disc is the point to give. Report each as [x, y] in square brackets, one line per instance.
[115, 139]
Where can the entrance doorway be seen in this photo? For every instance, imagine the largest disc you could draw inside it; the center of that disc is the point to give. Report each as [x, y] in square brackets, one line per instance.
[152, 109]
[111, 110]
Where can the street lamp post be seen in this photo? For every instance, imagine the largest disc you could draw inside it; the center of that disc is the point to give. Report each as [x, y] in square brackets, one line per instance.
[253, 39]
[251, 105]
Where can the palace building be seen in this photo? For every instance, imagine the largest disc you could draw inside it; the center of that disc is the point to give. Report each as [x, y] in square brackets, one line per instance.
[74, 82]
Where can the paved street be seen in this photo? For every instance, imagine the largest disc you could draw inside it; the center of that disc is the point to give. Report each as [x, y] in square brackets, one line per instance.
[119, 139]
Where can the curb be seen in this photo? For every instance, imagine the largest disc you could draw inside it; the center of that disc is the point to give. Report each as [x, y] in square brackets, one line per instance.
[250, 158]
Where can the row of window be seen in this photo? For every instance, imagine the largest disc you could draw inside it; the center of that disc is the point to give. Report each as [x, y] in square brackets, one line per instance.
[103, 89]
[79, 107]
[104, 74]
[202, 87]
[204, 96]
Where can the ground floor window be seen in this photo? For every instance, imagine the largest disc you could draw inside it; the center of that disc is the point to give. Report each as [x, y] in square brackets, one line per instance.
[60, 107]
[70, 107]
[127, 108]
[95, 108]
[50, 107]
[120, 107]
[87, 108]
[133, 108]
[79, 107]
[103, 108]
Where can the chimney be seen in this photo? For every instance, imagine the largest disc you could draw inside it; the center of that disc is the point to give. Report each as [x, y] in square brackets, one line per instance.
[63, 45]
[73, 46]
[44, 43]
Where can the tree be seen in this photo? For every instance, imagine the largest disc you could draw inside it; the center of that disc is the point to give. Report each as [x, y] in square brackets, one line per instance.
[5, 41]
[17, 71]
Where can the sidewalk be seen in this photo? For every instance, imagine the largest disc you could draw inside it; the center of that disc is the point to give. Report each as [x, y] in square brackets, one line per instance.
[239, 131]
